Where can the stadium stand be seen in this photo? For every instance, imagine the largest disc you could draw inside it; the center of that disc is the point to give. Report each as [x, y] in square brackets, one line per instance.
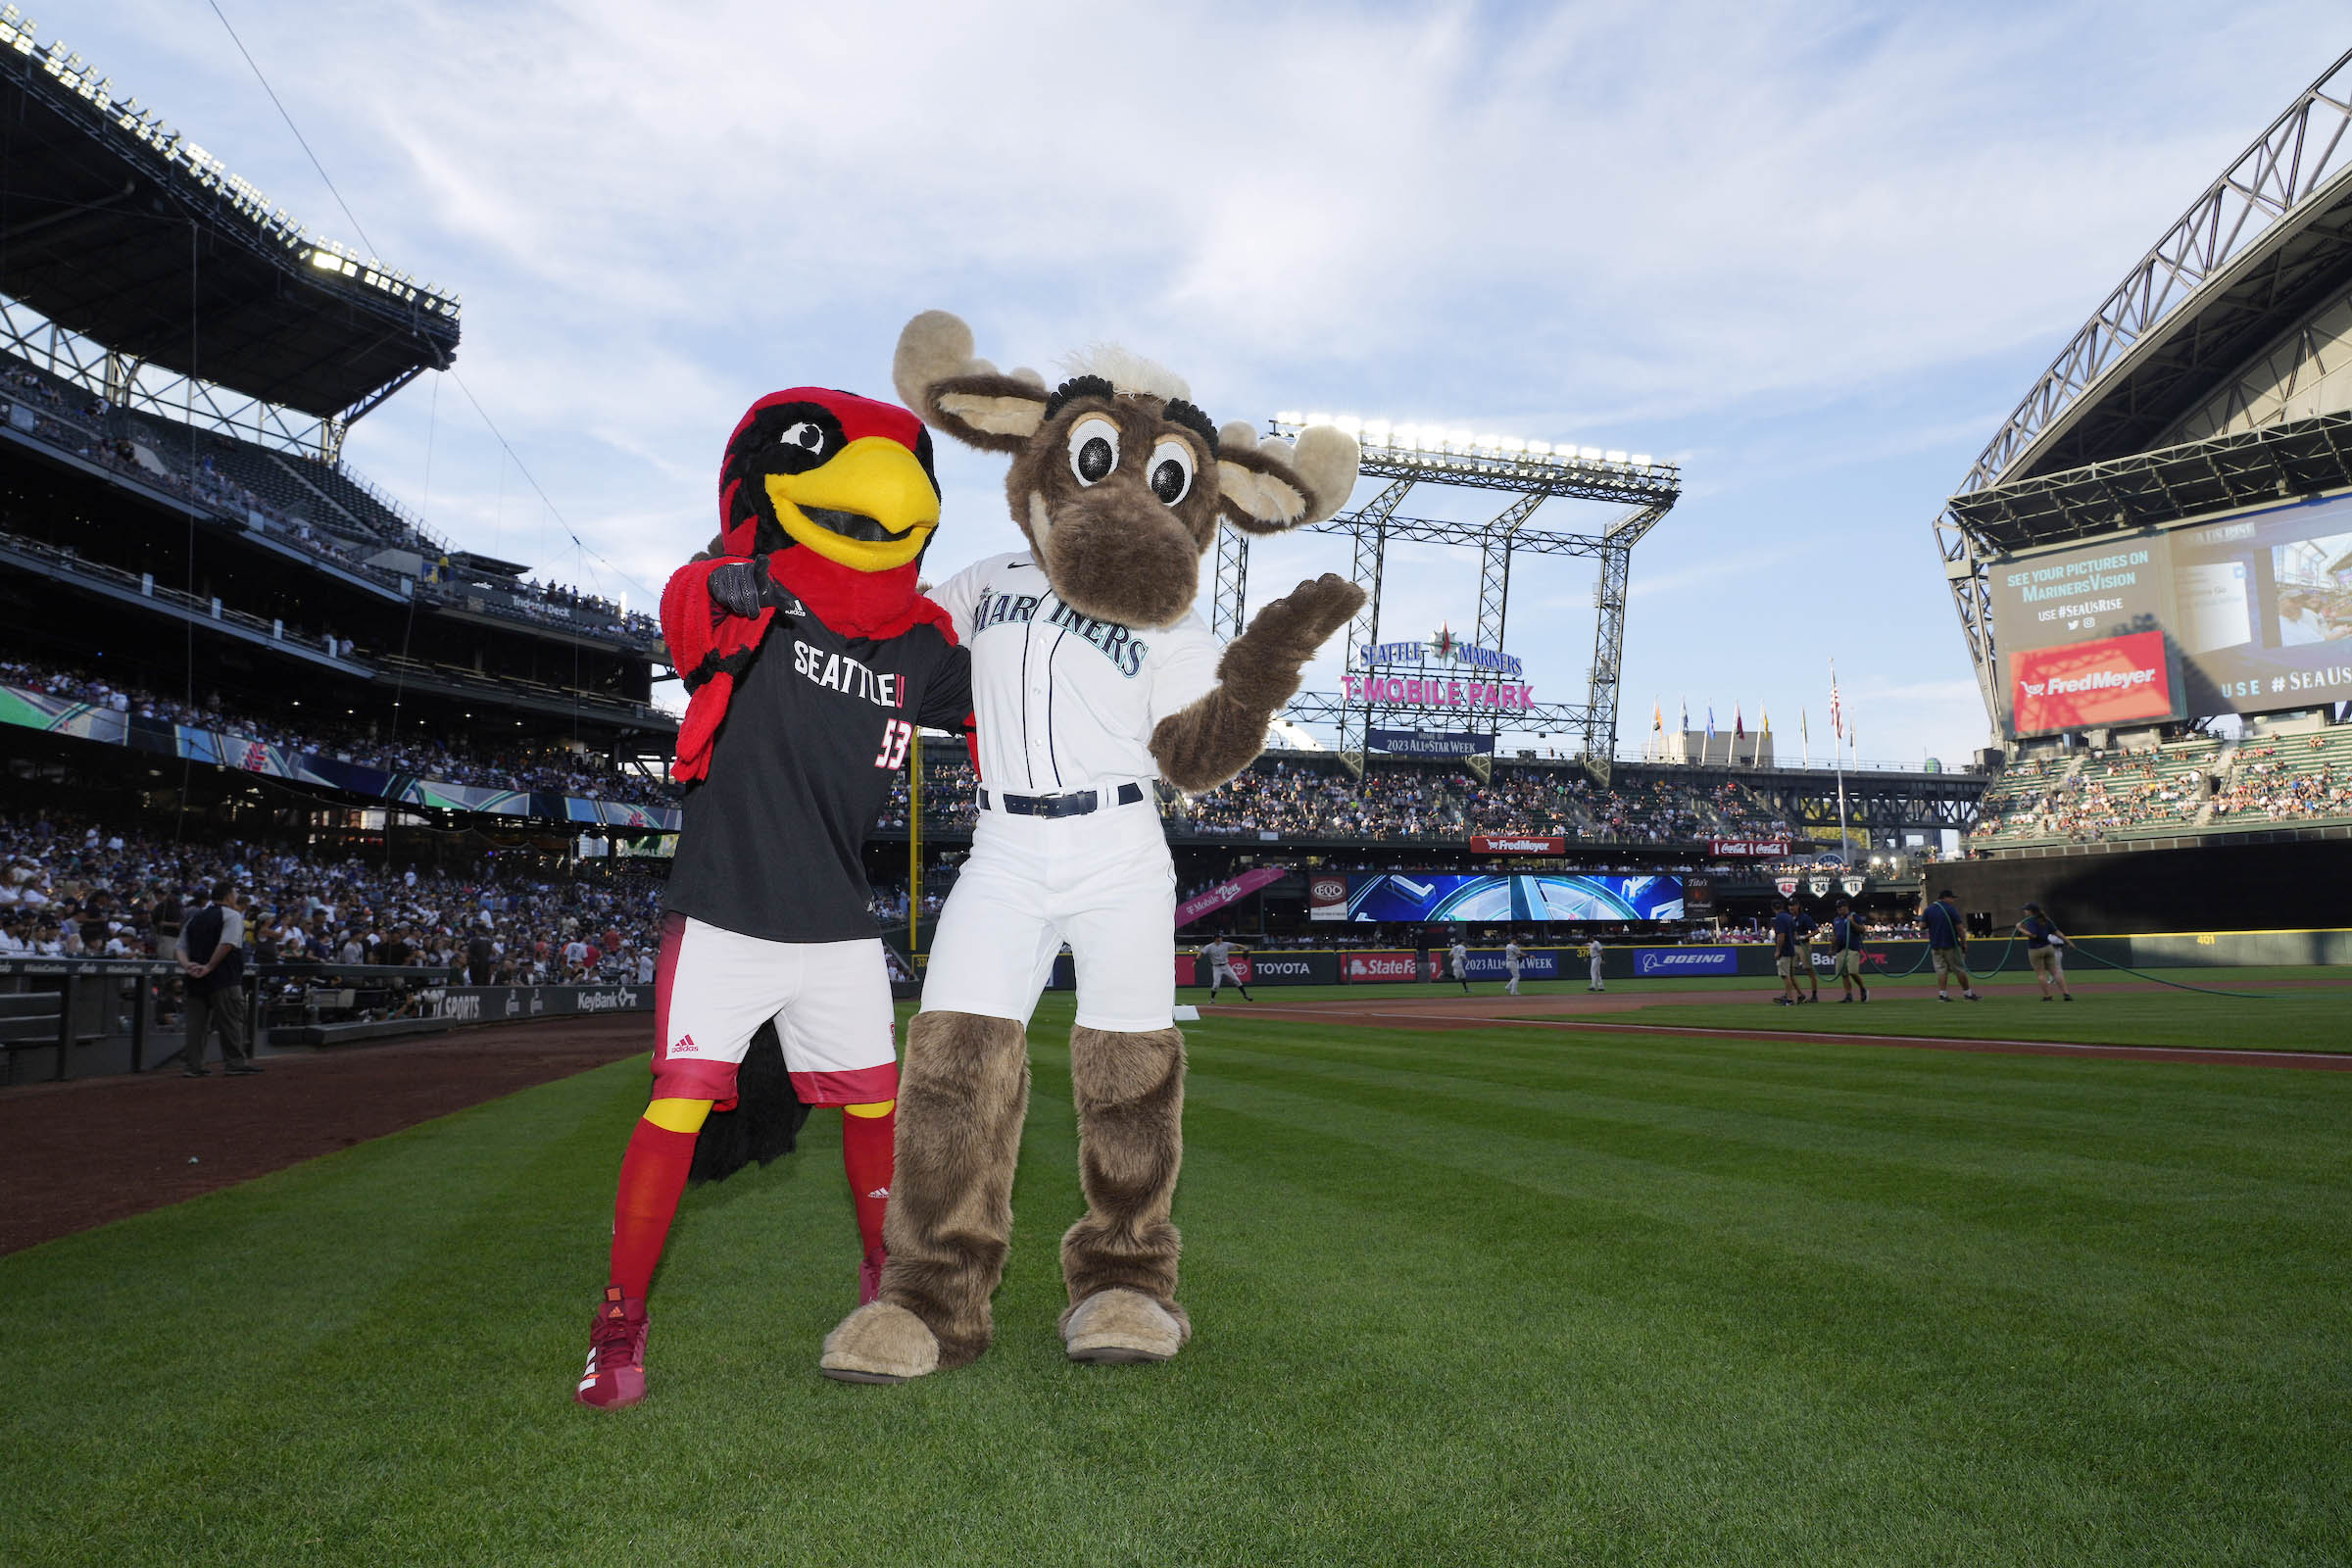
[72, 886]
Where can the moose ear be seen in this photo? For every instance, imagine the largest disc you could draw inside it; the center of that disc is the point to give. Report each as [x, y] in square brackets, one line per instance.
[953, 391]
[1278, 486]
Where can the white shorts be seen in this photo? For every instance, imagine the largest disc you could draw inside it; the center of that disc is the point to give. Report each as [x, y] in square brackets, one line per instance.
[1101, 882]
[714, 987]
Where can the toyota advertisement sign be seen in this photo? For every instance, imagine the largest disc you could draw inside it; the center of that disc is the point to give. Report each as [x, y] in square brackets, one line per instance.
[1262, 969]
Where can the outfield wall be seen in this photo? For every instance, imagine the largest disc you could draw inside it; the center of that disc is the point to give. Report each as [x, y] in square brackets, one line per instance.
[2264, 887]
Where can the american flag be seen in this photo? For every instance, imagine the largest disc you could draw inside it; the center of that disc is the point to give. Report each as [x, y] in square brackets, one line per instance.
[1837, 706]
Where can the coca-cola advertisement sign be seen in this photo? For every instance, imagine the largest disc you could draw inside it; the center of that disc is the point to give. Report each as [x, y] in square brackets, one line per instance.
[1518, 844]
[1360, 967]
[1752, 849]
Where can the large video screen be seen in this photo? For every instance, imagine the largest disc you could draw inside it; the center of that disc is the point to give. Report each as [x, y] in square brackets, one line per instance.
[2241, 615]
[1449, 896]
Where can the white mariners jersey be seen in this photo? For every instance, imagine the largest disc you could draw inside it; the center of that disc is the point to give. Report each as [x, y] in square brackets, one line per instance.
[1063, 701]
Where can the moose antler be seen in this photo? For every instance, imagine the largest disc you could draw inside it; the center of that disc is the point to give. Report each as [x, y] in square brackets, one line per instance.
[939, 376]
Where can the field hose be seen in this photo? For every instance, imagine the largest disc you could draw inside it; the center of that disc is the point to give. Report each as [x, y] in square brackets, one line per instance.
[2177, 985]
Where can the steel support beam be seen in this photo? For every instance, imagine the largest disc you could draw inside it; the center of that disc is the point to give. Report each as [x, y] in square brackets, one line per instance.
[1494, 568]
[1228, 607]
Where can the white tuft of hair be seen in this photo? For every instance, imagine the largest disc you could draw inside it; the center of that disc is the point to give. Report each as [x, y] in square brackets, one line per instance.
[1127, 371]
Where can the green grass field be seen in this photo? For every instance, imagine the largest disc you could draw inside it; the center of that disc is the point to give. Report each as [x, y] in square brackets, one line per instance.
[1502, 1296]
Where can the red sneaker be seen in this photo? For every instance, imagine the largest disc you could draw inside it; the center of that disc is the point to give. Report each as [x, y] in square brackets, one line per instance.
[869, 1278]
[615, 1372]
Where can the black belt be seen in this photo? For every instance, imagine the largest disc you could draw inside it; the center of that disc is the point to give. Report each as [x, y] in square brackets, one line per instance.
[1077, 803]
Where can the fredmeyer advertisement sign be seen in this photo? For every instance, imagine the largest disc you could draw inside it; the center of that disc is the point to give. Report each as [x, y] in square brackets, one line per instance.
[2115, 680]
[2253, 612]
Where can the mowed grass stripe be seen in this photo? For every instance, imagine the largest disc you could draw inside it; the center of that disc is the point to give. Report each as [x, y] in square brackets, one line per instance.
[1829, 1095]
[1736, 1192]
[1436, 1326]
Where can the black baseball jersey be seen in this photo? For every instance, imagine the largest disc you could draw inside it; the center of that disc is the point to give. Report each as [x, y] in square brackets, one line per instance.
[817, 731]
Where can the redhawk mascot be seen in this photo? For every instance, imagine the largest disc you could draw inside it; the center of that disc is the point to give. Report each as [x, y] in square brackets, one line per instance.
[810, 659]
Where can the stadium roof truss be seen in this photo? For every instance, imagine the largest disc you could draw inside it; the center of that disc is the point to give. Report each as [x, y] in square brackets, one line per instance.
[2262, 246]
[183, 290]
[1531, 473]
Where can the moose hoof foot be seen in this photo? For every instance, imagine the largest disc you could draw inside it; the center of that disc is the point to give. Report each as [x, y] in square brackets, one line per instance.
[1116, 1326]
[879, 1342]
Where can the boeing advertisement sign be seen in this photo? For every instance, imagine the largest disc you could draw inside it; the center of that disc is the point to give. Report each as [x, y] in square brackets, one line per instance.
[1686, 960]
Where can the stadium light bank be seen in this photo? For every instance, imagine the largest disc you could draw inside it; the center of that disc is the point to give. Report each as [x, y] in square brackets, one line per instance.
[80, 78]
[1443, 448]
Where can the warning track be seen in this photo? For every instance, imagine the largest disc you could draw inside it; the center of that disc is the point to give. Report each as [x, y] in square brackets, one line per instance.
[1542, 1013]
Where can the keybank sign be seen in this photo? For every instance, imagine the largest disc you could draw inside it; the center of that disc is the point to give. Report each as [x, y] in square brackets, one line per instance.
[1686, 960]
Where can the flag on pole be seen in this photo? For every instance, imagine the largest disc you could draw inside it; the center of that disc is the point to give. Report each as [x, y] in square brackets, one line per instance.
[1804, 736]
[1657, 719]
[1837, 704]
[1710, 721]
[1685, 715]
[1764, 724]
[1738, 730]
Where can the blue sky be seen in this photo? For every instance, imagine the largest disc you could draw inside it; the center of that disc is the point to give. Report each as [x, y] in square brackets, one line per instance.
[1814, 252]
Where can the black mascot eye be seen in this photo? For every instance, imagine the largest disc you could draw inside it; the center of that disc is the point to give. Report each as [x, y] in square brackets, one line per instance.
[1170, 472]
[1094, 449]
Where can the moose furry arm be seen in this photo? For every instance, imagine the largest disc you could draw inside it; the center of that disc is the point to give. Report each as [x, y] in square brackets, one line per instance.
[1207, 741]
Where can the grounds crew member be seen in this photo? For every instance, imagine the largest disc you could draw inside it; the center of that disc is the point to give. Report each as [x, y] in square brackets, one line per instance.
[1513, 957]
[1947, 946]
[1219, 954]
[1594, 949]
[1783, 954]
[1800, 950]
[2045, 946]
[1845, 953]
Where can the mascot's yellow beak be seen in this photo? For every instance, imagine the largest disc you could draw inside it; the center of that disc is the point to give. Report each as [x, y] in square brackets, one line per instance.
[871, 508]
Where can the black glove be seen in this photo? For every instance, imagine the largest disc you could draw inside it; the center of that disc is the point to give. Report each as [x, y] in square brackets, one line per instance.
[747, 587]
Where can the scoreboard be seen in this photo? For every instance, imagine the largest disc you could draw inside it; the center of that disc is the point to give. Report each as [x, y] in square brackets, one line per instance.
[2242, 613]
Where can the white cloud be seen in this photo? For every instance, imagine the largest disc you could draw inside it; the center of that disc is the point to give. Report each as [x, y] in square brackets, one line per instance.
[1792, 241]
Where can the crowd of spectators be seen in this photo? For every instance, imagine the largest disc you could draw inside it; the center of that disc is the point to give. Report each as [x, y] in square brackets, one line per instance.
[93, 430]
[445, 756]
[76, 889]
[2123, 794]
[2273, 785]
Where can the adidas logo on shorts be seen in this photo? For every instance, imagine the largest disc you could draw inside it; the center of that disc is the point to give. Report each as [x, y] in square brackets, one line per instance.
[684, 1047]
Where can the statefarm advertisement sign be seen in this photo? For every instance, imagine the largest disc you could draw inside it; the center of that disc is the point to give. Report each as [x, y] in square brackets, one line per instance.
[2115, 680]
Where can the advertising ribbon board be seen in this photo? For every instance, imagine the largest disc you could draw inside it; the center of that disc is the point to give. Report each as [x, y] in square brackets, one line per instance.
[1225, 893]
[1356, 967]
[1326, 898]
[1518, 844]
[1420, 743]
[1747, 849]
[1686, 960]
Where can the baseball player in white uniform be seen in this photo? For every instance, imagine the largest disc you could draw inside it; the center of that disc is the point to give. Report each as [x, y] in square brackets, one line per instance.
[1459, 956]
[1594, 949]
[1219, 954]
[1513, 955]
[1068, 843]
